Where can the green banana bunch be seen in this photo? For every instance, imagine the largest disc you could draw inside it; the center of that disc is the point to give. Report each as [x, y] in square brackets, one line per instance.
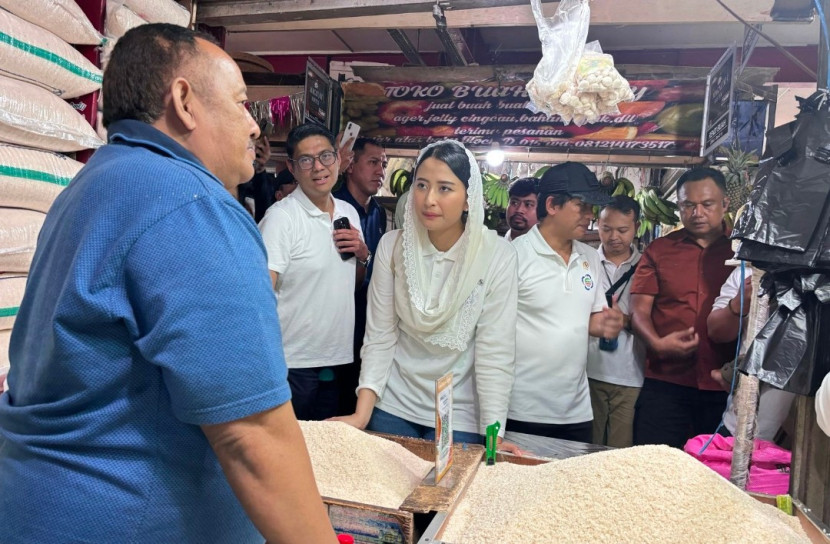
[624, 187]
[654, 209]
[645, 226]
[400, 181]
[495, 190]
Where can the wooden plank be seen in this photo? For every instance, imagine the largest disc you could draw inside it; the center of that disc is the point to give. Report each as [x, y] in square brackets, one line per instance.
[810, 468]
[370, 524]
[295, 15]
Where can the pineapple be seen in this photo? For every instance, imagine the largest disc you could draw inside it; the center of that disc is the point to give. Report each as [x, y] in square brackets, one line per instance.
[740, 167]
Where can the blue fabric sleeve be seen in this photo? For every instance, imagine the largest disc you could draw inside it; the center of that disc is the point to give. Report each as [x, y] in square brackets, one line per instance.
[205, 313]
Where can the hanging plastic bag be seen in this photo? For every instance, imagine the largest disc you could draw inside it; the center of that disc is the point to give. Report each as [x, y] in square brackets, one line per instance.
[563, 40]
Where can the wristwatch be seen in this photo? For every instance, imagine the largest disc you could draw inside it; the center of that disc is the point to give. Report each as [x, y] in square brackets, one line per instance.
[365, 264]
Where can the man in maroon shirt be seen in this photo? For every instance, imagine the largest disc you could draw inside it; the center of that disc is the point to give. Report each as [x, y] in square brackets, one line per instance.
[677, 280]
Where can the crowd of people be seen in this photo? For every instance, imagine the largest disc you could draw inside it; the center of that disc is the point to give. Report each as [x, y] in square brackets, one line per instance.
[168, 341]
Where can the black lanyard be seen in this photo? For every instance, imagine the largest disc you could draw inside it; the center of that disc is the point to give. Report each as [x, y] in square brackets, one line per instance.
[620, 282]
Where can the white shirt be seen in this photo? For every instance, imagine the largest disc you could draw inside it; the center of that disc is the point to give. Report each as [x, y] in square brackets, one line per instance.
[555, 304]
[773, 404]
[624, 365]
[401, 369]
[508, 235]
[823, 405]
[315, 288]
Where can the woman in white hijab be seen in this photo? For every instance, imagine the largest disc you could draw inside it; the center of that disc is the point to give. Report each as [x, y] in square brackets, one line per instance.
[442, 299]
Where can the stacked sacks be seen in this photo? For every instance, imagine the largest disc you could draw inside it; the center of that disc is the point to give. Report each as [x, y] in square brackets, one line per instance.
[39, 70]
[11, 293]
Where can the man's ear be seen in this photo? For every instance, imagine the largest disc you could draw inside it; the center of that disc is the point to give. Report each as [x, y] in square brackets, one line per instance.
[726, 203]
[551, 209]
[183, 100]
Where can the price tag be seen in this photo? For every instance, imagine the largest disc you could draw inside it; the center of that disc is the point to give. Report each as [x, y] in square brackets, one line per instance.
[443, 426]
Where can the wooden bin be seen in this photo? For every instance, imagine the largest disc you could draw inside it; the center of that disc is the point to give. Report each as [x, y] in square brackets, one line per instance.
[370, 524]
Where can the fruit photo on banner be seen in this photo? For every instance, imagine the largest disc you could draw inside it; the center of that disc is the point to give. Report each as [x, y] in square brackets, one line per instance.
[665, 117]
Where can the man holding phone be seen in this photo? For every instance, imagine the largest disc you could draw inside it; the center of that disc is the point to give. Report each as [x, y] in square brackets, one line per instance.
[313, 266]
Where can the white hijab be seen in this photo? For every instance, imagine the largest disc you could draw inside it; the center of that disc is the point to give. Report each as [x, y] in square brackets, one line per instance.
[452, 322]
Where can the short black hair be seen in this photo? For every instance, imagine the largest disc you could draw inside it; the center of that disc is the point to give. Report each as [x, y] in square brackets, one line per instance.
[306, 130]
[624, 205]
[559, 199]
[700, 173]
[453, 156]
[523, 187]
[361, 143]
[284, 177]
[141, 66]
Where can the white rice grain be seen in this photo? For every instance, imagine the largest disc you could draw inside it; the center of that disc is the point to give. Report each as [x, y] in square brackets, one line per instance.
[643, 495]
[355, 466]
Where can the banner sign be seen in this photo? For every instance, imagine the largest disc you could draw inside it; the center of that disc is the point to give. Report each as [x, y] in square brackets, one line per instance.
[317, 95]
[717, 116]
[665, 118]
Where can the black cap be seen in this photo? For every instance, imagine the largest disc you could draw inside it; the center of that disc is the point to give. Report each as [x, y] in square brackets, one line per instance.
[575, 179]
[285, 176]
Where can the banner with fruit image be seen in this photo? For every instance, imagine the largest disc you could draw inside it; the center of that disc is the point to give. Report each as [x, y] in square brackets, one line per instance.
[665, 118]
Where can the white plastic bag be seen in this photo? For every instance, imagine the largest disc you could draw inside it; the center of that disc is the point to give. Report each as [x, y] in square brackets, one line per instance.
[63, 18]
[31, 178]
[563, 40]
[35, 55]
[33, 117]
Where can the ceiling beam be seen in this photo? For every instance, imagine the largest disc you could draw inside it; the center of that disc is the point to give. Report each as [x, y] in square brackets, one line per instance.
[249, 11]
[617, 12]
[455, 48]
[406, 46]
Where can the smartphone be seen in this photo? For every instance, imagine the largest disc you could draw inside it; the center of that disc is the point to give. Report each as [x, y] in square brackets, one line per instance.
[343, 223]
[351, 131]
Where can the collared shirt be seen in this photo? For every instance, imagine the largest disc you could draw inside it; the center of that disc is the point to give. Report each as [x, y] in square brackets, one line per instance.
[624, 365]
[508, 235]
[684, 279]
[402, 368]
[315, 288]
[556, 300]
[137, 327]
[372, 223]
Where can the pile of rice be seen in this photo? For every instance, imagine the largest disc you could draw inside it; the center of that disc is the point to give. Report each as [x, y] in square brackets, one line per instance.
[352, 465]
[646, 494]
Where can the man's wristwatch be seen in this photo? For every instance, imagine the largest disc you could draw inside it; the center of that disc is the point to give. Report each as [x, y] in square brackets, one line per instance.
[365, 264]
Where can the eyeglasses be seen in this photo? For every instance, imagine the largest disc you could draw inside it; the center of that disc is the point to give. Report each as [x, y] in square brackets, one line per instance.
[306, 162]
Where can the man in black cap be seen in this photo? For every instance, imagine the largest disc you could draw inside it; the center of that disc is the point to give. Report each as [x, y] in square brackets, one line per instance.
[560, 305]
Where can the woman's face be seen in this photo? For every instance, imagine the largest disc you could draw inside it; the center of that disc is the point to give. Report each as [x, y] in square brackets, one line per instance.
[439, 197]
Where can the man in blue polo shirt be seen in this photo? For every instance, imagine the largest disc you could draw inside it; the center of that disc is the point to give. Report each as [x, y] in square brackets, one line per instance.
[363, 179]
[140, 408]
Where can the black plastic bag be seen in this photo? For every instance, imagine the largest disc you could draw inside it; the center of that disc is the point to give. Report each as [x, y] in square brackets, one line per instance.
[788, 352]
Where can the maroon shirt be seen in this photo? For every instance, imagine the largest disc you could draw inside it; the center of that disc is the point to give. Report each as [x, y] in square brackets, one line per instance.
[685, 279]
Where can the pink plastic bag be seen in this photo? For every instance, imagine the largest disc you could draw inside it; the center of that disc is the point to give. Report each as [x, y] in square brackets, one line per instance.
[769, 471]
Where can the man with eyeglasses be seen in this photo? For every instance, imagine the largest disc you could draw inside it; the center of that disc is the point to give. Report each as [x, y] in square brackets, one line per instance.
[521, 208]
[677, 280]
[314, 269]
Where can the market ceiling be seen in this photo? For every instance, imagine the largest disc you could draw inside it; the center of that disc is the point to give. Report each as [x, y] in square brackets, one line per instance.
[490, 31]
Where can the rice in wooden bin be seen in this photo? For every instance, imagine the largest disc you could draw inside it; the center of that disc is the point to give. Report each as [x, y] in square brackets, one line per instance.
[646, 494]
[355, 466]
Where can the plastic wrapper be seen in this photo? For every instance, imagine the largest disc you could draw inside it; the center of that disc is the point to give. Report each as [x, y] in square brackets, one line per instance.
[63, 18]
[160, 11]
[787, 220]
[18, 238]
[32, 54]
[119, 20]
[33, 117]
[31, 179]
[563, 40]
[12, 287]
[791, 352]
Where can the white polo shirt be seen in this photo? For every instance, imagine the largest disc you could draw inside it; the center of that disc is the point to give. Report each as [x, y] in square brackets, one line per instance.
[624, 365]
[315, 289]
[554, 307]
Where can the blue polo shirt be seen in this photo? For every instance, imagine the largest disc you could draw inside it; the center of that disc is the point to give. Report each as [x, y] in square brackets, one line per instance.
[372, 222]
[148, 312]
